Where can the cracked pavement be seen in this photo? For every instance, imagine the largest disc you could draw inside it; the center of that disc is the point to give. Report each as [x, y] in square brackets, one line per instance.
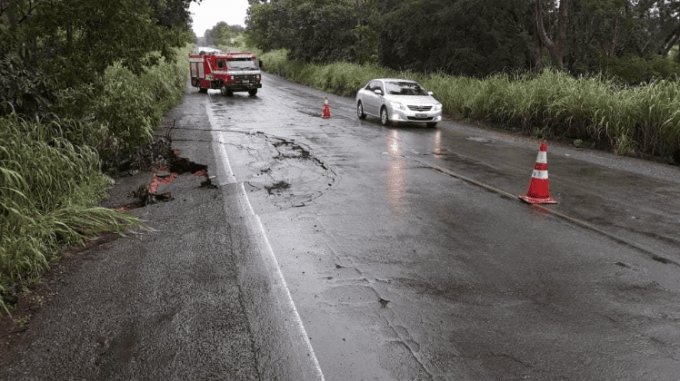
[365, 252]
[402, 270]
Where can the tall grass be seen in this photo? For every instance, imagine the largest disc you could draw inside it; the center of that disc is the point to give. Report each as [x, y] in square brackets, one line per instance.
[49, 189]
[51, 181]
[628, 120]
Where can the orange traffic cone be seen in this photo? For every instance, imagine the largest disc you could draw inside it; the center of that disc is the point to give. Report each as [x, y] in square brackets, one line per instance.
[326, 111]
[539, 188]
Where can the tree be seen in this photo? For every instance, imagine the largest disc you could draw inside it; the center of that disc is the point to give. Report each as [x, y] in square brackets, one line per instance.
[314, 30]
[222, 34]
[471, 37]
[65, 43]
[556, 46]
[269, 25]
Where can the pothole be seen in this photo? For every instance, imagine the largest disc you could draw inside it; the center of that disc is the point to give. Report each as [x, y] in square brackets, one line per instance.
[277, 187]
[290, 150]
[285, 172]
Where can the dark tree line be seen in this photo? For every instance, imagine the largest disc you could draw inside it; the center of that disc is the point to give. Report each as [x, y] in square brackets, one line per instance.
[473, 37]
[50, 45]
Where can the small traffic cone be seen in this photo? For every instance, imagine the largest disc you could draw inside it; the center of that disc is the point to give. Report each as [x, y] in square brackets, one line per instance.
[326, 111]
[539, 188]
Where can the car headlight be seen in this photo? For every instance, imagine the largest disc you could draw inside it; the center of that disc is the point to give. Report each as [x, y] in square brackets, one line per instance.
[397, 105]
[437, 107]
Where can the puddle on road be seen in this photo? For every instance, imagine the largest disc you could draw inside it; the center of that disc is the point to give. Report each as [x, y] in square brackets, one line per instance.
[479, 139]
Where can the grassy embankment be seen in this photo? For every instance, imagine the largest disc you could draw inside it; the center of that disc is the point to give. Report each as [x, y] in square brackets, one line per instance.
[642, 120]
[51, 181]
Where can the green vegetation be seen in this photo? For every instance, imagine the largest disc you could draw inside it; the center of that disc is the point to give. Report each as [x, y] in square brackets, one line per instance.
[643, 119]
[603, 72]
[223, 34]
[47, 199]
[477, 37]
[85, 83]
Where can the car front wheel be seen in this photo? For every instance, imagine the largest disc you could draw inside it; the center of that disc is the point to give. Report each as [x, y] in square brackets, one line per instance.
[384, 119]
[360, 111]
[432, 124]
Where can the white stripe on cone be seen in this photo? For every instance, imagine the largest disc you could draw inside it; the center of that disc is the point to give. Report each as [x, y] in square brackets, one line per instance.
[542, 157]
[541, 175]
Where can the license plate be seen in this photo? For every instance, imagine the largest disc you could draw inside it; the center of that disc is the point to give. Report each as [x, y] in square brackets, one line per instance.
[421, 115]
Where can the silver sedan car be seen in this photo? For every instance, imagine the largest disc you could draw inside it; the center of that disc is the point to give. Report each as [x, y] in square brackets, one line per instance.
[398, 100]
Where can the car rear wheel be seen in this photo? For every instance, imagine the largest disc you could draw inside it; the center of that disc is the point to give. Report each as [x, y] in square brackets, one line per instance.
[432, 124]
[384, 119]
[360, 111]
[252, 92]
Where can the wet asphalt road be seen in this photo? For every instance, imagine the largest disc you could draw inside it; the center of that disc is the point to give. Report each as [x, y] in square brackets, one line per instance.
[343, 250]
[401, 269]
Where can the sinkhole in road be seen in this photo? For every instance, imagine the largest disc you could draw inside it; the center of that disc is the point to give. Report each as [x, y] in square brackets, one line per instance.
[284, 172]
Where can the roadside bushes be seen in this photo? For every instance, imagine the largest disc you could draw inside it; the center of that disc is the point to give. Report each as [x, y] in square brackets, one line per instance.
[341, 77]
[629, 120]
[634, 70]
[51, 179]
[119, 112]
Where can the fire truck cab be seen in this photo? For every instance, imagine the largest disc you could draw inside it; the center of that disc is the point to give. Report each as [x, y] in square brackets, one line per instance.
[228, 72]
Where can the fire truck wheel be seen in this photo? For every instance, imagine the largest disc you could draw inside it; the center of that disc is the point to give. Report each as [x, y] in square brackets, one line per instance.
[252, 92]
[202, 90]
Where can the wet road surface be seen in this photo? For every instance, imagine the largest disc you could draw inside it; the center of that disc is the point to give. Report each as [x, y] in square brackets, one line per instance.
[399, 268]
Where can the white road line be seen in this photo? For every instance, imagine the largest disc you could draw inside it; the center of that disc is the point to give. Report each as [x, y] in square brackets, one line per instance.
[289, 298]
[224, 168]
[223, 171]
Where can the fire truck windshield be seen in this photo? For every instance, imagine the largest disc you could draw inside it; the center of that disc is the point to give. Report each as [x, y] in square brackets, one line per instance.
[242, 65]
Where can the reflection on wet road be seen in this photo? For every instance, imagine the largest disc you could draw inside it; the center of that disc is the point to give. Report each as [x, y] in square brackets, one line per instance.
[396, 174]
[400, 271]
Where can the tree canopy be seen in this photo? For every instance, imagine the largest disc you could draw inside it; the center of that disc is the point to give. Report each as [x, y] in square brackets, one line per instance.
[222, 34]
[54, 44]
[473, 37]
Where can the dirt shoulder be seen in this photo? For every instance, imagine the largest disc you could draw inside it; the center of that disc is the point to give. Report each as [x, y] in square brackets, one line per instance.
[162, 304]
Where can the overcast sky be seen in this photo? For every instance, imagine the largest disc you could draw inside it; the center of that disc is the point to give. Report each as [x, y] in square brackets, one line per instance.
[210, 12]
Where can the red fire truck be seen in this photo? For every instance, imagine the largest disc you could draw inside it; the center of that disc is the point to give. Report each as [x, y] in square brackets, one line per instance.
[228, 72]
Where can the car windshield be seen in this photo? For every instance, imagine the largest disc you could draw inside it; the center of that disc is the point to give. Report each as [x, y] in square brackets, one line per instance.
[242, 65]
[404, 88]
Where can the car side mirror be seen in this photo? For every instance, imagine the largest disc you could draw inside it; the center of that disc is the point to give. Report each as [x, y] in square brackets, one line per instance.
[378, 91]
[430, 93]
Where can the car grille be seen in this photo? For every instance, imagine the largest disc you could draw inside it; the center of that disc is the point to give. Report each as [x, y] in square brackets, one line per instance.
[245, 78]
[420, 108]
[416, 118]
